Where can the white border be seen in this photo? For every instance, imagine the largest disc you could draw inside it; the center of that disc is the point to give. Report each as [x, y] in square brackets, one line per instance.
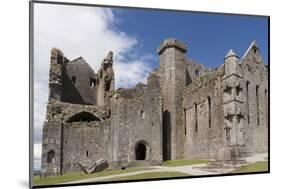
[15, 92]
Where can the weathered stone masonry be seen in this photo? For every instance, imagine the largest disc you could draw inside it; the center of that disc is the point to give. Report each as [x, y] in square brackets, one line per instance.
[185, 111]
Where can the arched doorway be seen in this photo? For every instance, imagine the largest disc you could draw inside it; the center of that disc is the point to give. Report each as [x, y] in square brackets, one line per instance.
[141, 151]
[51, 156]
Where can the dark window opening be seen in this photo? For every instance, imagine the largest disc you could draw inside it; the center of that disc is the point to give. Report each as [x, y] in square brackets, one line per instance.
[107, 86]
[142, 114]
[184, 110]
[51, 156]
[140, 151]
[92, 82]
[248, 104]
[209, 112]
[187, 78]
[196, 119]
[197, 72]
[237, 91]
[227, 89]
[166, 135]
[229, 117]
[83, 117]
[87, 153]
[257, 103]
[73, 79]
[255, 50]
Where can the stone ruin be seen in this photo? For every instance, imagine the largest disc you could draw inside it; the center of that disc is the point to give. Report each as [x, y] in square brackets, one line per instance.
[185, 111]
[89, 166]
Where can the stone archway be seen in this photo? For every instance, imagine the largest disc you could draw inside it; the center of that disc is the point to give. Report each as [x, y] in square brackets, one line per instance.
[83, 117]
[141, 151]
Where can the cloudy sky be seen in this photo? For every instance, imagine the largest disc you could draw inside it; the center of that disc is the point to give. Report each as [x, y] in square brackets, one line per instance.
[133, 35]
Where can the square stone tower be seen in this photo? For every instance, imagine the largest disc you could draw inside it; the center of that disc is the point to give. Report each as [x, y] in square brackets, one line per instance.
[172, 69]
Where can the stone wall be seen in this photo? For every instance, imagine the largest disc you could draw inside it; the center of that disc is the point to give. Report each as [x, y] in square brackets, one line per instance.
[85, 139]
[51, 140]
[203, 139]
[136, 118]
[78, 135]
[255, 73]
[76, 83]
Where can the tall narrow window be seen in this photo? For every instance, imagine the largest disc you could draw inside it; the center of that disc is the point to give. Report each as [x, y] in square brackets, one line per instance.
[73, 79]
[196, 120]
[92, 82]
[257, 103]
[266, 105]
[142, 114]
[247, 96]
[197, 72]
[187, 77]
[209, 112]
[184, 111]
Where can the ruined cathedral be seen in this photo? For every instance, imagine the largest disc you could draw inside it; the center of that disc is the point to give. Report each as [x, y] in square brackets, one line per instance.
[185, 111]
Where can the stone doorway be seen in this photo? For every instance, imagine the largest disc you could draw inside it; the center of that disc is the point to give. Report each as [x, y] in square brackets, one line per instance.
[141, 151]
[166, 135]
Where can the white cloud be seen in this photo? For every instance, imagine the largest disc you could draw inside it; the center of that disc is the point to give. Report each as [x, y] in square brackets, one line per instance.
[128, 74]
[37, 155]
[80, 31]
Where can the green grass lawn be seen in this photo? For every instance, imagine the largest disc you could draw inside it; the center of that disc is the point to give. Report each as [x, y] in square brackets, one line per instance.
[181, 162]
[80, 175]
[259, 166]
[151, 175]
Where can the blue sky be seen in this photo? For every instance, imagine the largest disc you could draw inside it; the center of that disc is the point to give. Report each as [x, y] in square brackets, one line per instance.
[208, 36]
